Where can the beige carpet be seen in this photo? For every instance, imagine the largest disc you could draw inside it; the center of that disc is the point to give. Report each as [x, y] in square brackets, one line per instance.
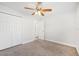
[40, 48]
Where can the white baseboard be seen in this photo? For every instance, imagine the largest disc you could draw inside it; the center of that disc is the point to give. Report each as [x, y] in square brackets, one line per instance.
[77, 50]
[27, 41]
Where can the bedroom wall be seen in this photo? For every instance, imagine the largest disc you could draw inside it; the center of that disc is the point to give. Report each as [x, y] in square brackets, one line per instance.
[76, 26]
[64, 28]
[60, 26]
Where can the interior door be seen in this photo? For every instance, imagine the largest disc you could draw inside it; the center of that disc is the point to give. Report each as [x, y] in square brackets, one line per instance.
[39, 29]
[10, 31]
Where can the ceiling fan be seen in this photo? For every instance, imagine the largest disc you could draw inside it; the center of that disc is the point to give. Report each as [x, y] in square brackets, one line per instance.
[39, 10]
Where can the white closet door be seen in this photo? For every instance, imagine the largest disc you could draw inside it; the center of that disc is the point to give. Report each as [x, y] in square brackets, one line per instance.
[10, 31]
[39, 29]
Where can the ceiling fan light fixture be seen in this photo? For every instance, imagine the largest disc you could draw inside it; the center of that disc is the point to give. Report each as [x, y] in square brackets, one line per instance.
[36, 13]
[39, 10]
[39, 13]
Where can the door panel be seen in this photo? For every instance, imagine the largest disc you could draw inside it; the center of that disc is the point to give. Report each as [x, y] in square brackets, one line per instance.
[10, 31]
[39, 29]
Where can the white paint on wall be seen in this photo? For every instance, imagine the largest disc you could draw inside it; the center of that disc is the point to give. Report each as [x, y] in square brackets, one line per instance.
[60, 28]
[76, 26]
[64, 28]
[28, 30]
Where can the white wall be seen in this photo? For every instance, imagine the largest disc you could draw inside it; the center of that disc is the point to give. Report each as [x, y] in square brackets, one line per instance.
[64, 28]
[76, 26]
[14, 30]
[28, 29]
[60, 28]
[60, 24]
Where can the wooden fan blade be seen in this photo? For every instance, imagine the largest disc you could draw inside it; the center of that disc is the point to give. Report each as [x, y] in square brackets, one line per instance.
[45, 10]
[28, 8]
[33, 13]
[42, 14]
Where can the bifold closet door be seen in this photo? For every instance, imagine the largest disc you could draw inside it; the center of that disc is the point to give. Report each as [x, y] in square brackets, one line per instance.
[10, 31]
